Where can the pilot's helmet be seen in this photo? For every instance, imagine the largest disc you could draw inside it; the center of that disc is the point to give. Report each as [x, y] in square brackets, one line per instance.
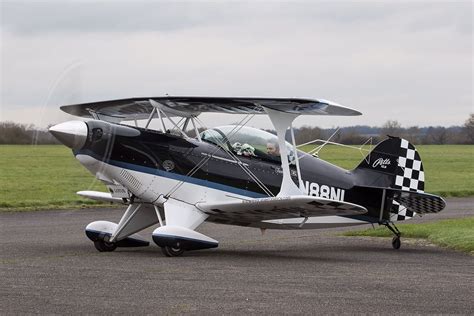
[237, 146]
[247, 150]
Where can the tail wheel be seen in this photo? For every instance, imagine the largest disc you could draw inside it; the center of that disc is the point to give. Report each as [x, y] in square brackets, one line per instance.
[396, 243]
[104, 246]
[172, 252]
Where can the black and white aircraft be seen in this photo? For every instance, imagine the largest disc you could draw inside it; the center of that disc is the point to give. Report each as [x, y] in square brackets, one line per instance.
[234, 175]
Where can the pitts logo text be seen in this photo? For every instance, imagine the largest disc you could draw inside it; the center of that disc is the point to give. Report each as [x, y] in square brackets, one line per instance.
[382, 163]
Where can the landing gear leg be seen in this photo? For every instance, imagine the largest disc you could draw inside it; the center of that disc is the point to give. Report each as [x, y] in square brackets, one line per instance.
[396, 243]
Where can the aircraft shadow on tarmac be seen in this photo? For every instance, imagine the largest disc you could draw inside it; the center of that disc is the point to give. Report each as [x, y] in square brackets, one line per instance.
[349, 253]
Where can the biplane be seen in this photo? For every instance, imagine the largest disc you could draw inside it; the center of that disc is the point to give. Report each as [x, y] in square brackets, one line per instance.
[176, 177]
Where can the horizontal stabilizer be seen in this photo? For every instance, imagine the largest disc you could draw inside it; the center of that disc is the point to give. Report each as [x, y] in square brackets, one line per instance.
[421, 203]
[417, 202]
[100, 196]
[257, 210]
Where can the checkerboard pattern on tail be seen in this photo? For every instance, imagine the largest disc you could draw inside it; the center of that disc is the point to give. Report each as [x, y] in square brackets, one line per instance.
[410, 174]
[410, 177]
[421, 203]
[400, 212]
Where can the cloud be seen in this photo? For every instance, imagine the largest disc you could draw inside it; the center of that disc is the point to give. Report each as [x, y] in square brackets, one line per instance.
[28, 17]
[410, 62]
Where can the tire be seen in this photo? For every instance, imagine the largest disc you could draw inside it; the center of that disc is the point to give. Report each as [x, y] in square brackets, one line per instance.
[172, 252]
[103, 246]
[396, 243]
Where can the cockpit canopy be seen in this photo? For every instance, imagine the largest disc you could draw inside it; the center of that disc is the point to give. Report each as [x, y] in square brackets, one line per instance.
[247, 141]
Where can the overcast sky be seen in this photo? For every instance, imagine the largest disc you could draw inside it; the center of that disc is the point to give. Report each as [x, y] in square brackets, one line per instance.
[405, 61]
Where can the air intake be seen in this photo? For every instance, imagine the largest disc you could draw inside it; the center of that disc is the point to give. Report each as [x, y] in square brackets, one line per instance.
[130, 179]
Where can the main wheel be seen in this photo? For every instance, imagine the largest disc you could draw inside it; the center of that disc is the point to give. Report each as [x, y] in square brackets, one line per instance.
[396, 243]
[172, 252]
[104, 246]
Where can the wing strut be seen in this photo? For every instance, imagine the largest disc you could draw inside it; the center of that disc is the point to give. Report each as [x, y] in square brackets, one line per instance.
[162, 109]
[196, 129]
[150, 118]
[297, 159]
[163, 126]
[281, 122]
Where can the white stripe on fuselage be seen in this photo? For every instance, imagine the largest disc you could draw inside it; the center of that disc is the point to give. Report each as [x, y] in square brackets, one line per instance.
[153, 185]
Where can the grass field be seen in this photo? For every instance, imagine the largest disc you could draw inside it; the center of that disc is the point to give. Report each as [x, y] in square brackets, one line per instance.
[456, 234]
[47, 176]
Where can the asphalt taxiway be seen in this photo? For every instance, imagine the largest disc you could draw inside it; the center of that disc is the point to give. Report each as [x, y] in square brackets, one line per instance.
[48, 266]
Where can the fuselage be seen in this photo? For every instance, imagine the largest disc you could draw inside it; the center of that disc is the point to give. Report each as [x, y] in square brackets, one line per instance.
[174, 157]
[151, 164]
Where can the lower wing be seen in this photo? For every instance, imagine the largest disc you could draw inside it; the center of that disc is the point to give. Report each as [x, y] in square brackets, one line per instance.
[298, 206]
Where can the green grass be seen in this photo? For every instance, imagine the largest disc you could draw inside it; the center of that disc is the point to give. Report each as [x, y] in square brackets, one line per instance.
[449, 169]
[48, 176]
[40, 177]
[456, 234]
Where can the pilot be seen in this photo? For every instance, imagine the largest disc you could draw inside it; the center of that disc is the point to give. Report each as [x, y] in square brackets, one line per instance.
[273, 149]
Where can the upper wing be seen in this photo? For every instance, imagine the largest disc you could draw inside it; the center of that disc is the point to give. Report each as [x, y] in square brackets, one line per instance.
[140, 108]
[257, 210]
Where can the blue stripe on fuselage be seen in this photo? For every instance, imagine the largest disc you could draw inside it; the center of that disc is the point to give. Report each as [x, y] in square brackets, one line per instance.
[174, 176]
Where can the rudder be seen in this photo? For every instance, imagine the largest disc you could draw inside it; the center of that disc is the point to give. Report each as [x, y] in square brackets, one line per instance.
[393, 163]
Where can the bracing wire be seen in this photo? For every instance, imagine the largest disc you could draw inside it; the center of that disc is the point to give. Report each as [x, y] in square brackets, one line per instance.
[237, 127]
[316, 150]
[236, 159]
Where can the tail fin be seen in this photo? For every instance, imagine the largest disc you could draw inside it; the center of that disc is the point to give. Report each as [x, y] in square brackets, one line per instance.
[393, 163]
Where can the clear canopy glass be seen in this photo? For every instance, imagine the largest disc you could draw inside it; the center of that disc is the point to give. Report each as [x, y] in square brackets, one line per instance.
[247, 141]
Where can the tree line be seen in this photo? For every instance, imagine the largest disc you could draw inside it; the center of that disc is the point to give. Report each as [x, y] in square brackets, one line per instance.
[431, 135]
[16, 133]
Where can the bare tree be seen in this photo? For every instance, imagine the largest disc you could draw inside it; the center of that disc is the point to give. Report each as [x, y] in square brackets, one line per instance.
[306, 134]
[436, 136]
[16, 133]
[392, 128]
[469, 128]
[350, 136]
[412, 134]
